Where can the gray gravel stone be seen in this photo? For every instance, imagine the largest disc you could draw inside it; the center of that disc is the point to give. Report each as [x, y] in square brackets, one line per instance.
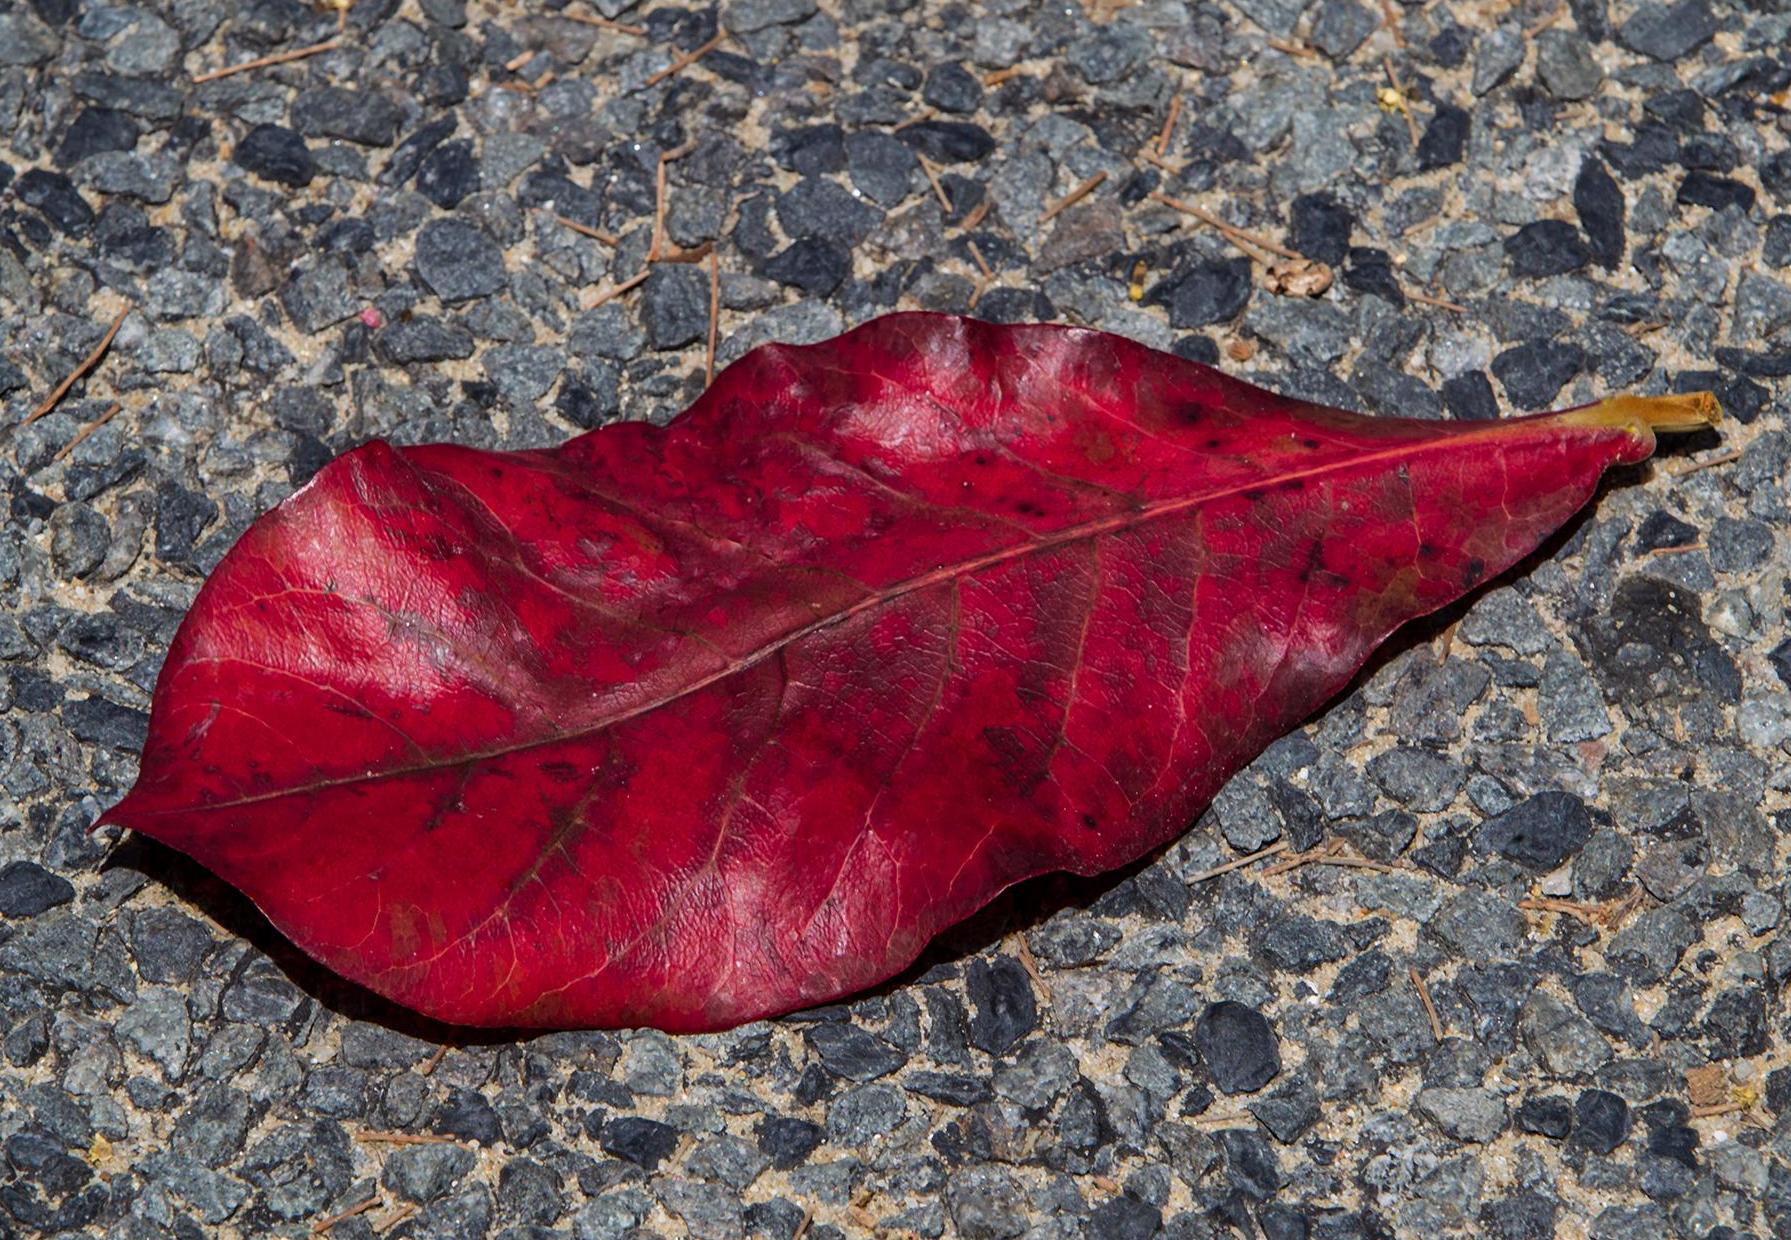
[1561, 1038]
[1473, 1115]
[459, 262]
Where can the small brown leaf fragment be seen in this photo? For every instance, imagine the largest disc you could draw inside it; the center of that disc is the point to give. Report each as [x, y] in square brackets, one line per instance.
[1302, 277]
[1707, 1086]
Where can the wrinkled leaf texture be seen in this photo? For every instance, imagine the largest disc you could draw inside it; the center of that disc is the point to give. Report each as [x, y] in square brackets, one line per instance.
[686, 726]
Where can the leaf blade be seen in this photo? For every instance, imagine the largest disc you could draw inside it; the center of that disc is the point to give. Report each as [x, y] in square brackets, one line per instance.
[689, 660]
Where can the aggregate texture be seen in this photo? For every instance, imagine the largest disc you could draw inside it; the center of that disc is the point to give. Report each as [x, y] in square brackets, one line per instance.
[1530, 979]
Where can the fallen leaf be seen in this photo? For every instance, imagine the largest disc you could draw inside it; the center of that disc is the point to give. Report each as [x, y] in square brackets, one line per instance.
[693, 725]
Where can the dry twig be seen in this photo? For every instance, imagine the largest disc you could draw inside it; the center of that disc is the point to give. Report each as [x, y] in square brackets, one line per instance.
[322, 1225]
[402, 1214]
[1073, 197]
[1709, 462]
[85, 431]
[1231, 232]
[1029, 962]
[1425, 299]
[1163, 134]
[616, 290]
[604, 23]
[1291, 48]
[87, 363]
[1390, 13]
[377, 1136]
[1238, 863]
[434, 1061]
[276, 58]
[1430, 1009]
[926, 166]
[658, 249]
[687, 59]
[585, 230]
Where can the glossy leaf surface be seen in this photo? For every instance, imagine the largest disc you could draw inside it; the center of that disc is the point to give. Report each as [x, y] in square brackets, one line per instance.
[692, 725]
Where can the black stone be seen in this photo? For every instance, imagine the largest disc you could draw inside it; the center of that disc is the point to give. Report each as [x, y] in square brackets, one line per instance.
[1469, 397]
[1776, 250]
[1279, 1222]
[411, 152]
[56, 197]
[1775, 174]
[1736, 1027]
[1601, 1120]
[1525, 1216]
[94, 131]
[422, 338]
[1599, 204]
[1125, 1218]
[458, 261]
[813, 264]
[1207, 292]
[364, 117]
[1445, 138]
[810, 151]
[1546, 248]
[181, 516]
[1706, 189]
[675, 305]
[1780, 658]
[951, 87]
[1002, 1007]
[817, 207]
[787, 1141]
[1540, 833]
[948, 142]
[1655, 147]
[1710, 152]
[1548, 1116]
[1668, 33]
[467, 1115]
[346, 236]
[106, 723]
[854, 1053]
[1250, 1163]
[951, 1087]
[1239, 1047]
[881, 167]
[644, 1142]
[1662, 529]
[1677, 1142]
[1014, 305]
[1760, 364]
[27, 889]
[1534, 372]
[448, 174]
[1651, 643]
[276, 153]
[1319, 227]
[1370, 270]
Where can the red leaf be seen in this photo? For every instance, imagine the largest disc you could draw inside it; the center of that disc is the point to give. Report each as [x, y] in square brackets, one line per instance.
[692, 725]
